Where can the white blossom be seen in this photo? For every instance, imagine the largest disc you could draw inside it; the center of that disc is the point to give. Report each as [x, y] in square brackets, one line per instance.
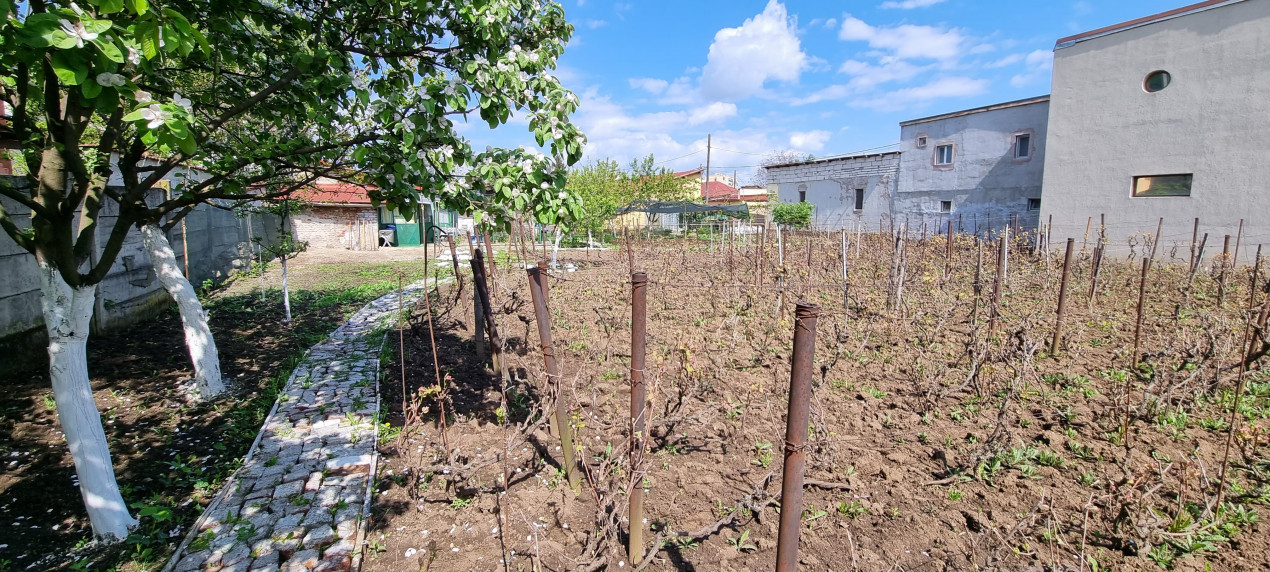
[182, 101]
[142, 96]
[155, 115]
[561, 195]
[134, 57]
[77, 31]
[107, 79]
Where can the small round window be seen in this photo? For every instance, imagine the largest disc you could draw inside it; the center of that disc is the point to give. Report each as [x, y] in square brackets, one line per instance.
[1157, 81]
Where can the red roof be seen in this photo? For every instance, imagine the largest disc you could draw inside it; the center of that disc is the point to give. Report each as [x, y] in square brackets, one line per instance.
[686, 174]
[716, 191]
[335, 193]
[1140, 21]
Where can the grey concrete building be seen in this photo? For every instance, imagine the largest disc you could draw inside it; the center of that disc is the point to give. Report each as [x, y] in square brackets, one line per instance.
[847, 191]
[978, 168]
[1163, 117]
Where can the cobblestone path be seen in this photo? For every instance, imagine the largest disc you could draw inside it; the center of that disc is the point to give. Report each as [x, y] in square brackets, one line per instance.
[300, 499]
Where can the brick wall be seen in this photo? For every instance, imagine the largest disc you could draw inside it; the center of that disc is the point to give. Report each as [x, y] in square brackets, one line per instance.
[330, 227]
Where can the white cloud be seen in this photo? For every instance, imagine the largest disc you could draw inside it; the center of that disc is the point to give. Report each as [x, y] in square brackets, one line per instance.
[593, 24]
[741, 60]
[710, 113]
[680, 92]
[948, 87]
[651, 85]
[809, 140]
[865, 77]
[1040, 65]
[1006, 61]
[908, 4]
[907, 41]
[831, 23]
[613, 131]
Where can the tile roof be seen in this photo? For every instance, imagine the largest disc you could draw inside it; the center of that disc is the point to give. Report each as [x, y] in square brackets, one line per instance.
[688, 173]
[335, 193]
[716, 191]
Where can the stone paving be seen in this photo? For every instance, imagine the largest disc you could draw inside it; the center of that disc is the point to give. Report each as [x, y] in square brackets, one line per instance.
[300, 500]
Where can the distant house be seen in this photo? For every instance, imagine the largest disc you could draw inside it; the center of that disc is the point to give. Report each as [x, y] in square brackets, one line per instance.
[848, 192]
[690, 181]
[1163, 117]
[337, 214]
[980, 168]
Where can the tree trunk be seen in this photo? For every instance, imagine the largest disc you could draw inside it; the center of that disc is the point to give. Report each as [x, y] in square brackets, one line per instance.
[286, 294]
[67, 312]
[198, 336]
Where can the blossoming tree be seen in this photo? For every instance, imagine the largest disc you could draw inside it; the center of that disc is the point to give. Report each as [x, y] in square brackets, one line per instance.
[109, 97]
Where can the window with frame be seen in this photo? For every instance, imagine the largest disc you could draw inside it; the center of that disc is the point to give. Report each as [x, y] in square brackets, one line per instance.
[1022, 146]
[945, 206]
[921, 141]
[944, 154]
[1034, 204]
[1163, 185]
[802, 193]
[859, 199]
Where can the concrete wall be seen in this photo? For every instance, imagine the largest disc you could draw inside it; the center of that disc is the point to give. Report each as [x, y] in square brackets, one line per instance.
[219, 243]
[831, 186]
[331, 226]
[1213, 121]
[986, 184]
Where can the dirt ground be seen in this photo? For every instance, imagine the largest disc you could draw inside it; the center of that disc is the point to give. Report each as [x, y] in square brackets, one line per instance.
[170, 455]
[937, 442]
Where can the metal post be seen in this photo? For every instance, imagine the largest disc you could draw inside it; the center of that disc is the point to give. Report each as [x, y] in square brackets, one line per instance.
[538, 291]
[796, 437]
[1062, 298]
[639, 336]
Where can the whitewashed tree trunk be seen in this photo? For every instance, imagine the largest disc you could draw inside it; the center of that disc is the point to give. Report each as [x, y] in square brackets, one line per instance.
[556, 249]
[67, 312]
[286, 294]
[198, 335]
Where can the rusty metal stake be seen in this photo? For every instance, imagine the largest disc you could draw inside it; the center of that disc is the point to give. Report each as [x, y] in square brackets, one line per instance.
[796, 436]
[639, 336]
[1062, 298]
[538, 291]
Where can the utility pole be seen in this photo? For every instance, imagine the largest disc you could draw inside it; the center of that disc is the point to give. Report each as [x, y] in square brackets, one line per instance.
[706, 186]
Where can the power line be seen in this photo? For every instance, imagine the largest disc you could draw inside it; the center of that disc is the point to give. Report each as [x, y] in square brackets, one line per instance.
[679, 157]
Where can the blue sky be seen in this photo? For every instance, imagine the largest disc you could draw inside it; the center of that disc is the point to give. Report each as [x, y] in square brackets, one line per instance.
[819, 77]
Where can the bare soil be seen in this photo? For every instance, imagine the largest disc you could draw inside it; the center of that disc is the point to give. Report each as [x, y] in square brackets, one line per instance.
[936, 443]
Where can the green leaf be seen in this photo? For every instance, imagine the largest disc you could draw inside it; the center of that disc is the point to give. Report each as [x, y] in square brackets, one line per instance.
[96, 26]
[188, 145]
[139, 6]
[110, 6]
[42, 31]
[91, 89]
[5, 8]
[134, 116]
[147, 34]
[109, 49]
[68, 68]
[178, 128]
